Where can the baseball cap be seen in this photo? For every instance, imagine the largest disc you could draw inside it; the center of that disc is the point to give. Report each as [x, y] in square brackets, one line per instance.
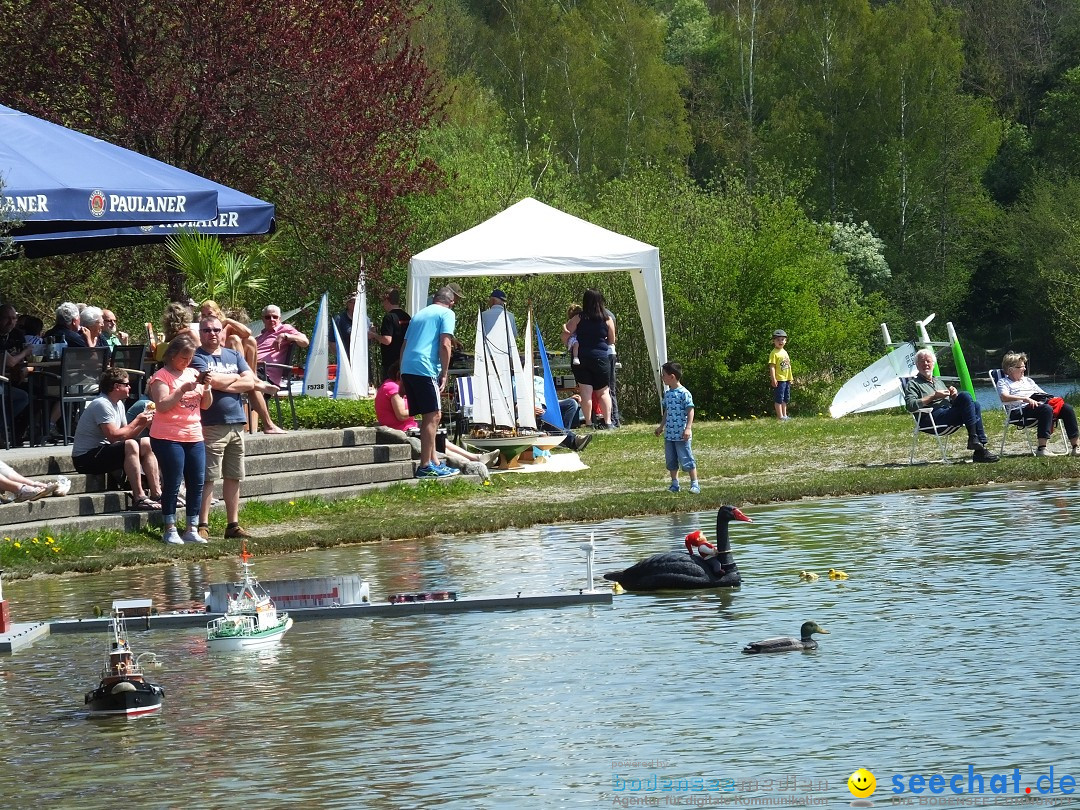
[498, 294]
[456, 290]
[779, 333]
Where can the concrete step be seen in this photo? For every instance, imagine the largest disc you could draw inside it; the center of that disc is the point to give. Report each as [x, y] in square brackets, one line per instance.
[134, 521]
[331, 463]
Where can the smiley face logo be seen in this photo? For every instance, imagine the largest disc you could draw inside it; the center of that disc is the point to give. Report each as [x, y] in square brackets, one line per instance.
[862, 784]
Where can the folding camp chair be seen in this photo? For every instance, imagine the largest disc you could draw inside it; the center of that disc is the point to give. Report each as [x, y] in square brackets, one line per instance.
[925, 424]
[289, 374]
[461, 413]
[1015, 418]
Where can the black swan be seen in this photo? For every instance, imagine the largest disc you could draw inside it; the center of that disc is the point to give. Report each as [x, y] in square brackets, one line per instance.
[711, 567]
[787, 643]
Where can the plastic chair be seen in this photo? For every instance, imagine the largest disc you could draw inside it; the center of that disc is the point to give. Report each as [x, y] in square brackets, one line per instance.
[925, 425]
[288, 373]
[80, 370]
[131, 360]
[1015, 418]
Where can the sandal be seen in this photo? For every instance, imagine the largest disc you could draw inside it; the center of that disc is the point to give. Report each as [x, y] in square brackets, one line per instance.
[29, 493]
[145, 504]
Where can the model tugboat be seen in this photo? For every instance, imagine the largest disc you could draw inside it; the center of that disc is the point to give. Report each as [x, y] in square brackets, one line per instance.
[123, 689]
[251, 620]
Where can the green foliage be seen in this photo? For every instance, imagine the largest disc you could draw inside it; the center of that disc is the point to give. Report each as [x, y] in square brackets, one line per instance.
[215, 273]
[324, 413]
[863, 253]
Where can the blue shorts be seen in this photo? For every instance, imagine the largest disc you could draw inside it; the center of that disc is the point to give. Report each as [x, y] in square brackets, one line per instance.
[678, 454]
[782, 392]
[422, 394]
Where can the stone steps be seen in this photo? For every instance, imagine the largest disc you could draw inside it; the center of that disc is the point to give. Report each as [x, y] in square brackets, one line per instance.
[325, 463]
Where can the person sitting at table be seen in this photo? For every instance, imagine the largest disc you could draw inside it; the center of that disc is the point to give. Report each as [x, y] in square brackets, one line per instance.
[30, 326]
[67, 325]
[110, 331]
[106, 443]
[92, 324]
[392, 411]
[1019, 392]
[13, 367]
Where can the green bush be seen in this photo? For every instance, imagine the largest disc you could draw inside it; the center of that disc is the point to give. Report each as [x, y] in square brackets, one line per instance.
[325, 413]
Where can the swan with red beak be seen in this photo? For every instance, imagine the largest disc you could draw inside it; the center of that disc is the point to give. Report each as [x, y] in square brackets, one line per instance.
[703, 566]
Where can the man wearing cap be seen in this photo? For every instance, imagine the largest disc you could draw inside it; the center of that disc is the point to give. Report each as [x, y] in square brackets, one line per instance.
[425, 366]
[780, 374]
[496, 306]
[391, 334]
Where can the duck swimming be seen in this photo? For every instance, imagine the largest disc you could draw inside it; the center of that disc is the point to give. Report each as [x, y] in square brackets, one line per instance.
[704, 566]
[835, 574]
[787, 643]
[808, 576]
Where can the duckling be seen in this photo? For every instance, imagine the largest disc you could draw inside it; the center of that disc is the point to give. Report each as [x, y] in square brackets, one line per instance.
[618, 588]
[787, 643]
[808, 576]
[837, 574]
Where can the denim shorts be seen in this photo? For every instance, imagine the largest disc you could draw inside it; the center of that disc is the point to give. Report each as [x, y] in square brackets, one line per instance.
[782, 392]
[678, 454]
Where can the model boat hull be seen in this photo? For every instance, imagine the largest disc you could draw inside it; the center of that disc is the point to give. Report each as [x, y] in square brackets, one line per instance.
[128, 698]
[224, 642]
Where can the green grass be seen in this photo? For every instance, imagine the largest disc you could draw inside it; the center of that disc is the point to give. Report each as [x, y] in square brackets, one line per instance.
[739, 461]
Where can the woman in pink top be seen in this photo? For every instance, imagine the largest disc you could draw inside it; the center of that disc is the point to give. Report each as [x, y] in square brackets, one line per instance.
[178, 396]
[392, 411]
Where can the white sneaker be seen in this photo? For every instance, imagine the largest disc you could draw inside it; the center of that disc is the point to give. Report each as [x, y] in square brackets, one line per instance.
[172, 537]
[192, 536]
[1045, 451]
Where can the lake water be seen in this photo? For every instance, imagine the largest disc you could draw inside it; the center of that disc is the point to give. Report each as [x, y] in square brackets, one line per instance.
[952, 647]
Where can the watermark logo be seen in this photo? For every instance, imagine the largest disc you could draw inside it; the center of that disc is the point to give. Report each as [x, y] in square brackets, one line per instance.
[862, 785]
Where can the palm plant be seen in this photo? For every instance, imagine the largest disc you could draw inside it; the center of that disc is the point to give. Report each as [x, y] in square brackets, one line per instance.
[211, 271]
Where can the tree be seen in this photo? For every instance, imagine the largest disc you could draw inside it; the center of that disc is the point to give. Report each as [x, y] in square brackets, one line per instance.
[317, 107]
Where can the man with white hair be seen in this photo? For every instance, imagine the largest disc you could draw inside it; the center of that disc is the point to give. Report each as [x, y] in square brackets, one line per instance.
[67, 325]
[950, 407]
[110, 330]
[92, 320]
[276, 340]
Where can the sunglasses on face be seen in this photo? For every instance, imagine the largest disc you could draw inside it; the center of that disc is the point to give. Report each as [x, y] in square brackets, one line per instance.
[210, 330]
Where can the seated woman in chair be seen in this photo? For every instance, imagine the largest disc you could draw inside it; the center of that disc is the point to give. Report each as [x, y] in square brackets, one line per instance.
[1020, 393]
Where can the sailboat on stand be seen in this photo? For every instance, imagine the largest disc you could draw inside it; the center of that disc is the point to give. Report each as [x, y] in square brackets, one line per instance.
[504, 401]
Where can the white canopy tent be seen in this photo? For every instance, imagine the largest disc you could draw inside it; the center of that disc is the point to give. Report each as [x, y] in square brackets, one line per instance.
[530, 237]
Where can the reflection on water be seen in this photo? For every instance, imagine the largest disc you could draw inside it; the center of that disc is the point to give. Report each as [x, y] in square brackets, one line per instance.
[951, 645]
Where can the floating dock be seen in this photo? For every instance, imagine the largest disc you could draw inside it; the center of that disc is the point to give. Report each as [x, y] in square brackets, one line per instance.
[22, 634]
[365, 610]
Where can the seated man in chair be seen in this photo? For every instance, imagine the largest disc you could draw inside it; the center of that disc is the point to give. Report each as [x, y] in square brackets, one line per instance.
[950, 407]
[276, 340]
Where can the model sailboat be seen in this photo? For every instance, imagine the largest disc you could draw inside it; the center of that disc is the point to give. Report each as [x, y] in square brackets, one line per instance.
[504, 399]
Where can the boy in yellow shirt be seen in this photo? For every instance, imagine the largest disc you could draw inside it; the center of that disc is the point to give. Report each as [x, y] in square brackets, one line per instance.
[780, 374]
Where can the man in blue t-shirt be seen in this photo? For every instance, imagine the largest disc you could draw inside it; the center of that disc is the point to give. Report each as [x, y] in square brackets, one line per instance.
[223, 424]
[425, 365]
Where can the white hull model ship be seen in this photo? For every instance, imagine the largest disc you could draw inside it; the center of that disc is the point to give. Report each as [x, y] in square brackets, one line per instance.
[123, 690]
[504, 400]
[251, 620]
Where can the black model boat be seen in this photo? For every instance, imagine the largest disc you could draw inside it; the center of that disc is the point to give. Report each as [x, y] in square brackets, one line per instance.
[123, 689]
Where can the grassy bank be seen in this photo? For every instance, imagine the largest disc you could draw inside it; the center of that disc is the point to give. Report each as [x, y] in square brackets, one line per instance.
[740, 462]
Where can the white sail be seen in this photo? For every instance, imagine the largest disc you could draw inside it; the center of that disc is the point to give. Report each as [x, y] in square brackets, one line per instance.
[352, 372]
[493, 396]
[877, 386]
[526, 391]
[315, 372]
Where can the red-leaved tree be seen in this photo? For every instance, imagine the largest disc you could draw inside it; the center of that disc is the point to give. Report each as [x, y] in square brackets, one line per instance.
[314, 106]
